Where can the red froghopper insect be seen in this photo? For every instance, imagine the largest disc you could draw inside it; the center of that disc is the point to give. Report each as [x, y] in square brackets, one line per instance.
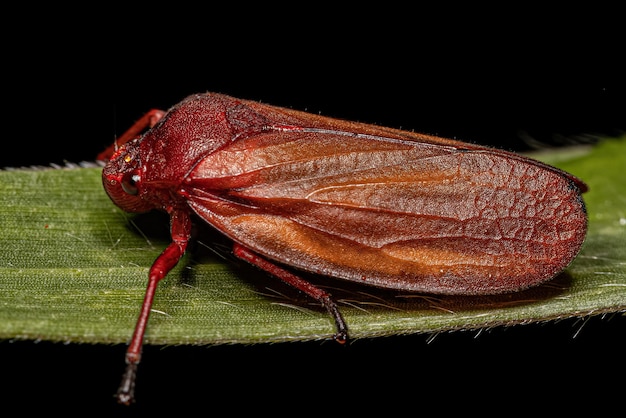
[363, 203]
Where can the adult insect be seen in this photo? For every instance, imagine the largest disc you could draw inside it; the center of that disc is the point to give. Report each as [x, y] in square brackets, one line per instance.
[363, 203]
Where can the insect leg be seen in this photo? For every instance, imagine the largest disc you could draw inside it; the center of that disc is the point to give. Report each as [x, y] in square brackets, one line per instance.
[315, 292]
[146, 121]
[180, 227]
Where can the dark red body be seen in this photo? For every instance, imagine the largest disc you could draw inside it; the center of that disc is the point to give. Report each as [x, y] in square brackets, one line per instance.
[369, 204]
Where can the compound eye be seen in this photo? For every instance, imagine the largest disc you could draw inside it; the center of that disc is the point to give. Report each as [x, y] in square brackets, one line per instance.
[129, 183]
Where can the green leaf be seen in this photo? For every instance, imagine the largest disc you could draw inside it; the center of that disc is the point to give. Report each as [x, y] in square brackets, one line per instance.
[74, 268]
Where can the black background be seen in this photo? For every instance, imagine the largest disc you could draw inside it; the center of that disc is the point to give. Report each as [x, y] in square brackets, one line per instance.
[494, 81]
[512, 105]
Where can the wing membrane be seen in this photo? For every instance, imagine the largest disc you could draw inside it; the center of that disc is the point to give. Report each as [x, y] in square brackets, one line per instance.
[390, 212]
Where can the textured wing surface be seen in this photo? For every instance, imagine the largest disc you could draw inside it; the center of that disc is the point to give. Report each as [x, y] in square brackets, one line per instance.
[392, 213]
